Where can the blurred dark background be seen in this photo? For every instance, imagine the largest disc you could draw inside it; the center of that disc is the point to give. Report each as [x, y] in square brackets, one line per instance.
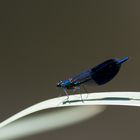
[42, 42]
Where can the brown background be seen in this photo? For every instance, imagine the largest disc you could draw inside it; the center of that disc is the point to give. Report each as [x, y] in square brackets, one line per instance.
[42, 42]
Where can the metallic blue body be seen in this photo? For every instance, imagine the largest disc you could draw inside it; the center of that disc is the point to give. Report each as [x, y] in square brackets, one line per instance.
[100, 74]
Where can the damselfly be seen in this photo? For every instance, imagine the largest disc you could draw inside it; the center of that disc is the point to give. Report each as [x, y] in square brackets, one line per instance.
[99, 75]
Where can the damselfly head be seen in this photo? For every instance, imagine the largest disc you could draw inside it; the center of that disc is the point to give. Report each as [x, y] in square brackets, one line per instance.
[65, 84]
[59, 84]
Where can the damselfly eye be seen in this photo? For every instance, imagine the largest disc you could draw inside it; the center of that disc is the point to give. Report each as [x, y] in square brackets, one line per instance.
[59, 84]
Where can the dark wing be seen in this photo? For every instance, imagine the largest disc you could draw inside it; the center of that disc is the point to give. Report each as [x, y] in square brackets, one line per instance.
[82, 77]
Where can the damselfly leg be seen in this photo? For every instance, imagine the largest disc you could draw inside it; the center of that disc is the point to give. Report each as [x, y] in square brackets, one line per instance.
[78, 89]
[66, 93]
[86, 91]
